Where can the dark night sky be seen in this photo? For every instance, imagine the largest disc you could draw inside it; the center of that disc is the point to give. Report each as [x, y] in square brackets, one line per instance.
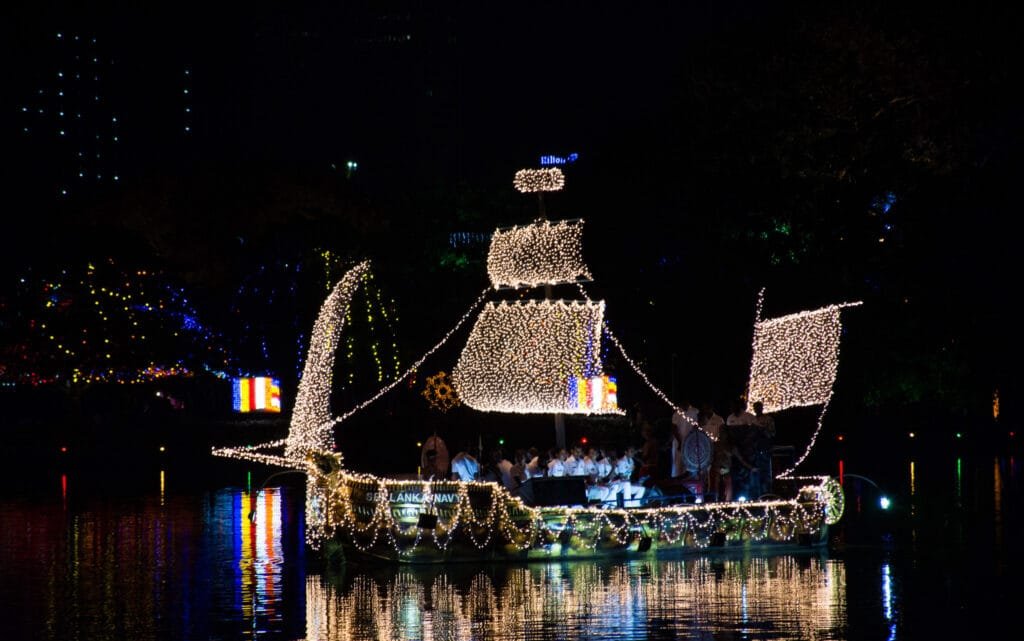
[690, 118]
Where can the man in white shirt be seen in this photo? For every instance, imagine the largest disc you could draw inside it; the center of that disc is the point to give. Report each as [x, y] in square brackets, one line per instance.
[505, 471]
[603, 489]
[538, 466]
[575, 465]
[683, 422]
[465, 467]
[557, 465]
[631, 492]
[762, 420]
[739, 414]
[710, 422]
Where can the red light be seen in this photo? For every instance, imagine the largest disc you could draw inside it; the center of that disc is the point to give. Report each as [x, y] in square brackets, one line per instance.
[584, 439]
[63, 448]
[1012, 434]
[840, 437]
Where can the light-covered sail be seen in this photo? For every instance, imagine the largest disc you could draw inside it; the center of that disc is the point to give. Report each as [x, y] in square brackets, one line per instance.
[535, 357]
[533, 180]
[544, 253]
[795, 359]
[312, 425]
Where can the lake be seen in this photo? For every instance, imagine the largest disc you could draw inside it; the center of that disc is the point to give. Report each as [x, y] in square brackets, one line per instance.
[165, 549]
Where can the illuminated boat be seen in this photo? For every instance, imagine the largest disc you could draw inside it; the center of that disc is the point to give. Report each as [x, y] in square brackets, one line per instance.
[367, 516]
[543, 356]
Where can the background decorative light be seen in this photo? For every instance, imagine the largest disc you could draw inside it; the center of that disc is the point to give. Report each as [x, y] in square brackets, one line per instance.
[543, 253]
[532, 180]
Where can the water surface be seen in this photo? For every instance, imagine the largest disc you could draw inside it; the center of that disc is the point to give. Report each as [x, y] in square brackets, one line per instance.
[186, 550]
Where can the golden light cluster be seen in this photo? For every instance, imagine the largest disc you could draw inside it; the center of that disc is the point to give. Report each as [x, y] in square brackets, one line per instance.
[543, 253]
[440, 393]
[523, 356]
[533, 180]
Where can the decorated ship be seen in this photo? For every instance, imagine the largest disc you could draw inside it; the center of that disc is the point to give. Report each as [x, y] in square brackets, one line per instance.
[538, 354]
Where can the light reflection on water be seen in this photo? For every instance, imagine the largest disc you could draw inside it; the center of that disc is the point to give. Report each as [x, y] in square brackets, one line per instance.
[151, 560]
[777, 597]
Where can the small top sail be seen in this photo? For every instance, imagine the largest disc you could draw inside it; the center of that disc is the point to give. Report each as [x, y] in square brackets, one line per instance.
[795, 359]
[543, 253]
[538, 356]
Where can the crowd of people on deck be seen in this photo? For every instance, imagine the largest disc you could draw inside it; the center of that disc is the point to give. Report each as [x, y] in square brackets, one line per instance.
[610, 475]
[739, 465]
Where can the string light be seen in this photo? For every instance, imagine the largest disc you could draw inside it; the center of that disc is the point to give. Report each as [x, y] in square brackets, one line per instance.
[369, 512]
[312, 401]
[415, 366]
[524, 357]
[258, 452]
[543, 253]
[795, 358]
[636, 368]
[106, 323]
[533, 180]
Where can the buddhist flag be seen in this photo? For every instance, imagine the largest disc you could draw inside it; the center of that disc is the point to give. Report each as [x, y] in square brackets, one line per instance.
[256, 394]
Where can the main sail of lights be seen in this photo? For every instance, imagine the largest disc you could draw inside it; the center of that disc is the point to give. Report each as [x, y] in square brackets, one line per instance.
[311, 426]
[543, 253]
[534, 180]
[795, 359]
[526, 357]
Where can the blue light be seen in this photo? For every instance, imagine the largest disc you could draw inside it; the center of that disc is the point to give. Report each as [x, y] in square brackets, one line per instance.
[547, 161]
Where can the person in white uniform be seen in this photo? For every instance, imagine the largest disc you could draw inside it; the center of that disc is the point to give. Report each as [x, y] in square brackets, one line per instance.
[465, 467]
[683, 422]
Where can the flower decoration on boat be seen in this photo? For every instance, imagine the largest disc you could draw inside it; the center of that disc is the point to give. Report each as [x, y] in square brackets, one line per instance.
[440, 393]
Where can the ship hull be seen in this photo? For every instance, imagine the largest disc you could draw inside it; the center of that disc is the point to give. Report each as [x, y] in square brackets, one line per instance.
[415, 522]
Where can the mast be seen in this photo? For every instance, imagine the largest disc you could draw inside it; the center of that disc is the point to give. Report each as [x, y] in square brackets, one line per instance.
[559, 417]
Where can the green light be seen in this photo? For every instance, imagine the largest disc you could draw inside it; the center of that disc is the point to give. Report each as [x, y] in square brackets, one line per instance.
[501, 441]
[884, 502]
[959, 435]
[248, 481]
[959, 477]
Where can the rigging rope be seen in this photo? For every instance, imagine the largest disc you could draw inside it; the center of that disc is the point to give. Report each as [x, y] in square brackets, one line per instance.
[636, 368]
[412, 368]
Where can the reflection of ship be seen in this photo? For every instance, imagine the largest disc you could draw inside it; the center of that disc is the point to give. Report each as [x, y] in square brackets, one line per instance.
[794, 596]
[544, 356]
